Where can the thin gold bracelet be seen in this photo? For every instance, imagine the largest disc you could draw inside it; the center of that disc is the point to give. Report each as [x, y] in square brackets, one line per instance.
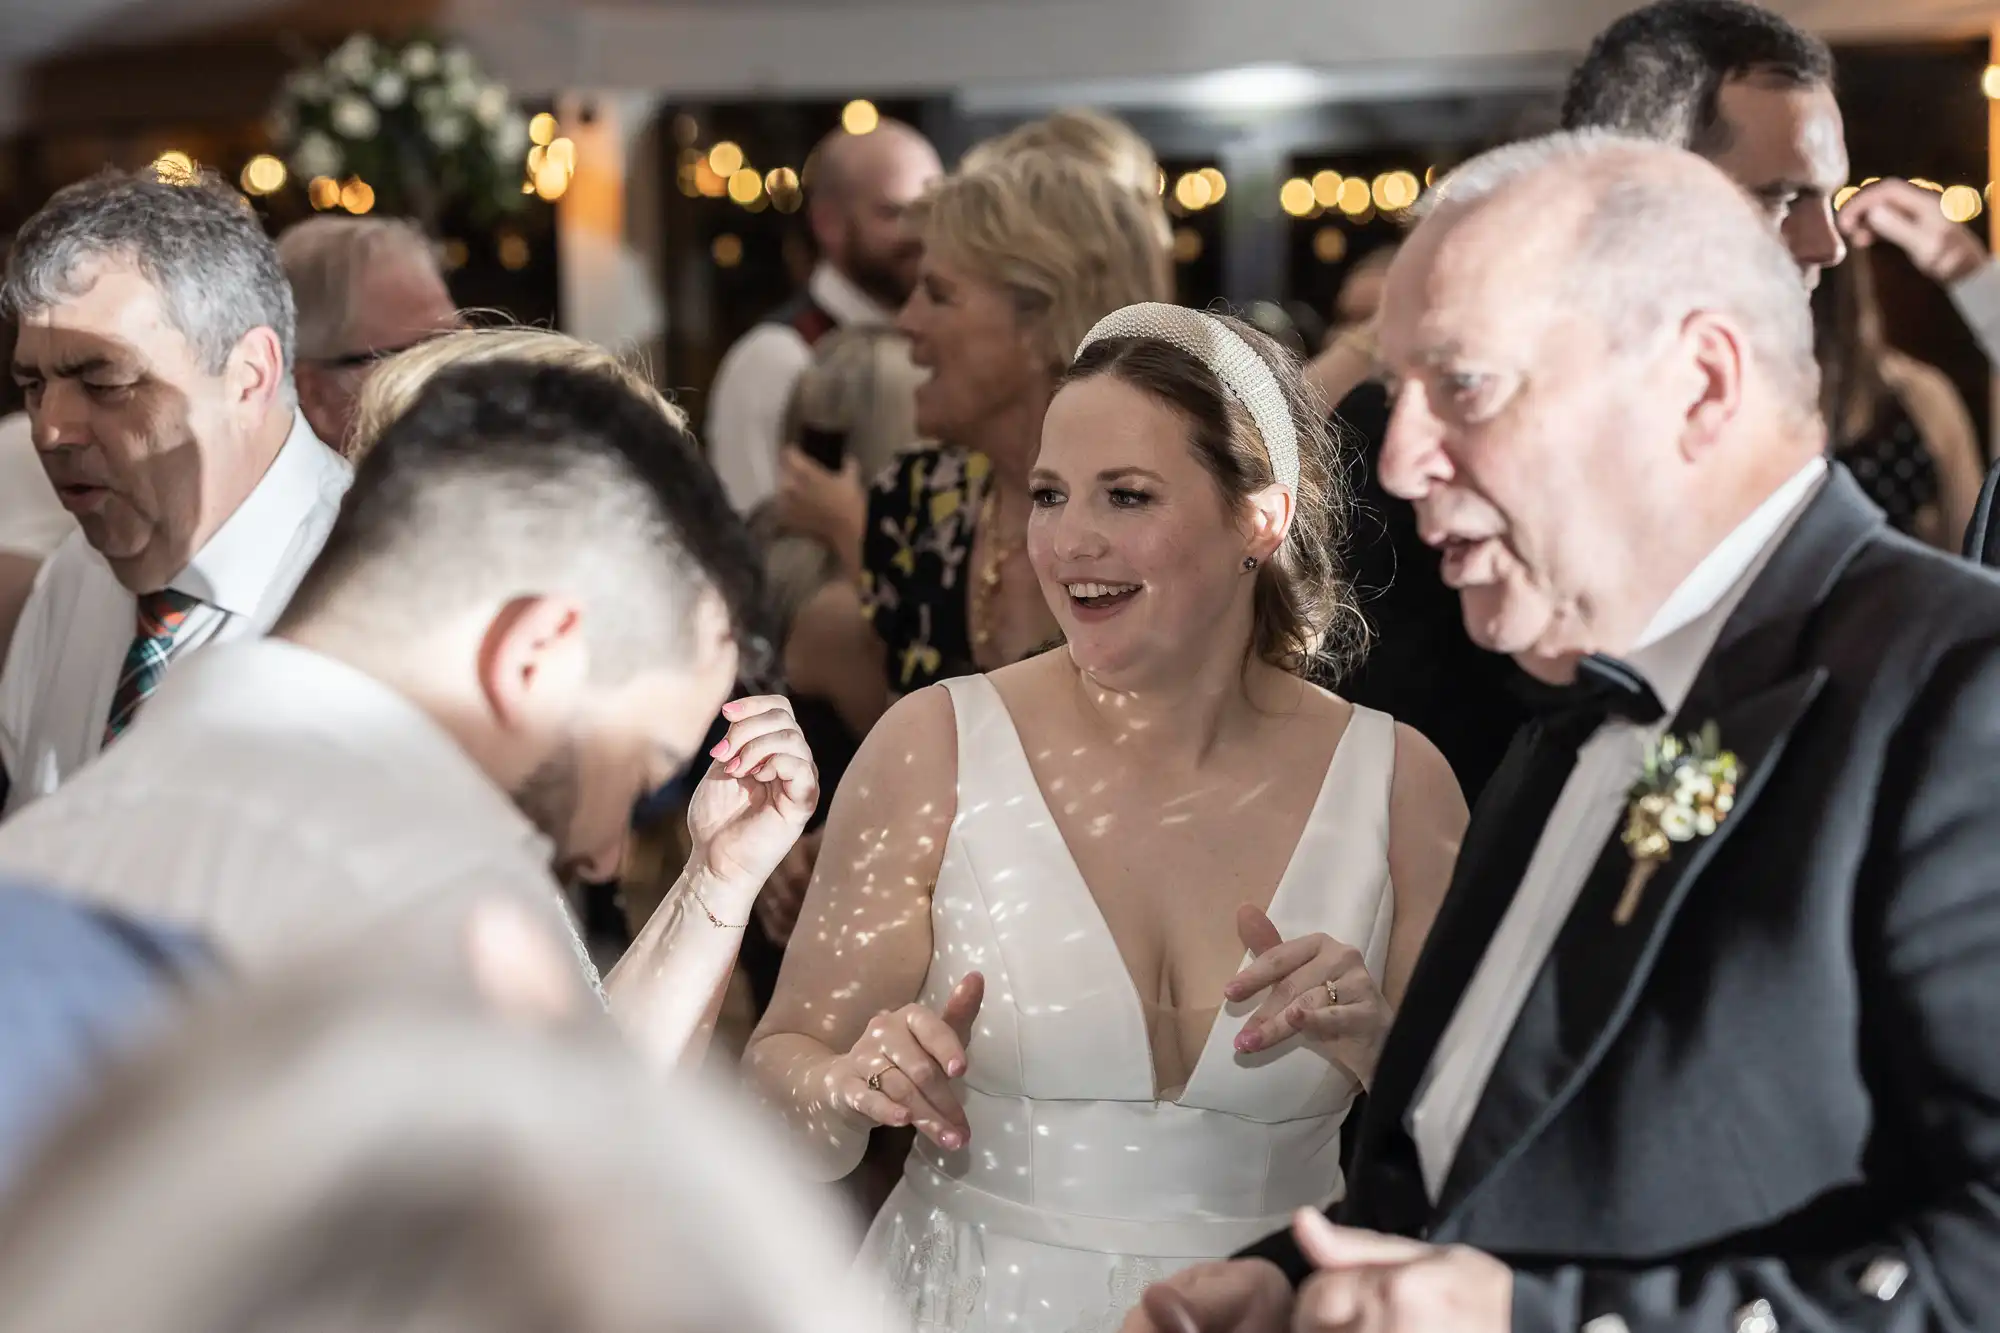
[713, 919]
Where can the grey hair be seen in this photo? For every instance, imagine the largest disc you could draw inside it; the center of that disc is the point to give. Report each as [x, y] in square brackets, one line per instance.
[197, 243]
[1651, 250]
[324, 256]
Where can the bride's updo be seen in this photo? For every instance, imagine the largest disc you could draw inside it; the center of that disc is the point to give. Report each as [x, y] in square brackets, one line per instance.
[1307, 619]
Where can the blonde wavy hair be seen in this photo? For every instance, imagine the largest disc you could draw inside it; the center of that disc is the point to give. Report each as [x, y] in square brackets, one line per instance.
[395, 384]
[1104, 142]
[1070, 242]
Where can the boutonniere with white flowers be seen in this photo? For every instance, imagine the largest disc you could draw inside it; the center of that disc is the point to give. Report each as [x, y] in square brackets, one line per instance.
[1687, 790]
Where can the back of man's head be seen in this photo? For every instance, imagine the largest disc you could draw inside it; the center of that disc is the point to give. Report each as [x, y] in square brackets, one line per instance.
[1656, 73]
[506, 479]
[324, 258]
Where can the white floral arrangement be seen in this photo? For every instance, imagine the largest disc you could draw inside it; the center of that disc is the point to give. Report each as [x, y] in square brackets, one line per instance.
[416, 120]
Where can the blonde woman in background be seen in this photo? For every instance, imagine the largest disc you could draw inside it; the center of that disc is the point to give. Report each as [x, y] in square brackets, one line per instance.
[829, 506]
[1101, 141]
[389, 391]
[1021, 257]
[435, 1134]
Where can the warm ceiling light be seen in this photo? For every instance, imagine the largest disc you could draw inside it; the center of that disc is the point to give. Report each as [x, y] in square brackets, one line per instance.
[1326, 188]
[1295, 196]
[1394, 190]
[263, 174]
[1961, 203]
[542, 129]
[860, 117]
[357, 196]
[174, 167]
[551, 180]
[1193, 193]
[1218, 184]
[725, 159]
[746, 186]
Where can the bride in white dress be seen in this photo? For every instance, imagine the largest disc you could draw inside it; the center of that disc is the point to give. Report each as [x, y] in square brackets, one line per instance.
[1046, 923]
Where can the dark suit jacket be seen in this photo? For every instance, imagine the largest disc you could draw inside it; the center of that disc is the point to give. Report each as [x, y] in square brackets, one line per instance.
[1780, 1081]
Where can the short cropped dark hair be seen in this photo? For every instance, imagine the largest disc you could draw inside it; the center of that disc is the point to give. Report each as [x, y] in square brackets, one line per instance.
[1657, 73]
[506, 478]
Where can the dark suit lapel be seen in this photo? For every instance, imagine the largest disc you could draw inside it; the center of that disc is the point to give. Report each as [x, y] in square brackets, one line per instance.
[1386, 1190]
[1472, 908]
[1756, 692]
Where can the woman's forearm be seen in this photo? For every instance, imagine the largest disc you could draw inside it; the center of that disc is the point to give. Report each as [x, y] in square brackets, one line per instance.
[789, 1072]
[666, 990]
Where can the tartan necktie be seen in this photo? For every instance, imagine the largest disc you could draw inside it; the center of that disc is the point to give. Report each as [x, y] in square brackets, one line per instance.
[161, 614]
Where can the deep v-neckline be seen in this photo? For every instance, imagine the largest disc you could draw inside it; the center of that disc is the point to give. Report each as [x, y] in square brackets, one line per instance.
[1094, 911]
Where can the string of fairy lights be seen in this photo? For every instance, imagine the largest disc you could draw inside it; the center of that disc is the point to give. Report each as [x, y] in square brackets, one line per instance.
[723, 171]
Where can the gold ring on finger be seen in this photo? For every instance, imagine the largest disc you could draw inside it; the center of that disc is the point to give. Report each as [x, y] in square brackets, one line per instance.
[875, 1080]
[1332, 995]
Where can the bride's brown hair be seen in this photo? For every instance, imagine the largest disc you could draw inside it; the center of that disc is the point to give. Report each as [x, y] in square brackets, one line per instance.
[1306, 618]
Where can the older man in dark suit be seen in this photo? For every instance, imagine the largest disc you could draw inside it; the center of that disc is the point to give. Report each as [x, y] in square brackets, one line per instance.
[1702, 1035]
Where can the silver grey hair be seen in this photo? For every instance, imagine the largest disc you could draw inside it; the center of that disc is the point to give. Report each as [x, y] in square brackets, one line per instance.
[324, 257]
[197, 243]
[1650, 250]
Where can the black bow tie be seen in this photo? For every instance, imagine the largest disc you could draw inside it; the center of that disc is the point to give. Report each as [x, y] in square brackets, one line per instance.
[1604, 688]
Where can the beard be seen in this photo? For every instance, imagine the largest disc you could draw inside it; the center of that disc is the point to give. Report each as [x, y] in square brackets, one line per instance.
[548, 797]
[887, 276]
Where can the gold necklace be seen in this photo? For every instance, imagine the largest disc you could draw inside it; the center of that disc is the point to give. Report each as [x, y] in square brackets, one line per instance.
[998, 553]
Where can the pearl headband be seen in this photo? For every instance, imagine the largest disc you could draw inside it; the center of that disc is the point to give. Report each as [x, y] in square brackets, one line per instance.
[1208, 340]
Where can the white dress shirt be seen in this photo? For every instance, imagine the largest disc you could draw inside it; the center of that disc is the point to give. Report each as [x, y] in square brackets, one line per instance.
[279, 801]
[1669, 656]
[753, 389]
[69, 647]
[32, 520]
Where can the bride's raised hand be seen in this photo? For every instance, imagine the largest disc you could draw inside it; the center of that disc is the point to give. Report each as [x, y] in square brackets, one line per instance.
[899, 1072]
[1317, 986]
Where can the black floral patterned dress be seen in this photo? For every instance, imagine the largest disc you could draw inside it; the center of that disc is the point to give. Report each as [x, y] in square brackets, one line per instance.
[915, 562]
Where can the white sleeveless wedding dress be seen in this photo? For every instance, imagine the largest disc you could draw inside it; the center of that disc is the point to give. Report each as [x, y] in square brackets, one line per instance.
[1078, 1186]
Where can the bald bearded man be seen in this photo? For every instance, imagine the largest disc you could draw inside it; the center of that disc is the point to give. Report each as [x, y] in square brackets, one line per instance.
[857, 186]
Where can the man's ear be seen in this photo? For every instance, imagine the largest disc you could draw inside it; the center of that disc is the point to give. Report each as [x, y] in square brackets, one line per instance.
[1715, 353]
[533, 662]
[256, 370]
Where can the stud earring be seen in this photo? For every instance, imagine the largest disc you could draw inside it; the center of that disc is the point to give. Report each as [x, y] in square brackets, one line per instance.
[1249, 563]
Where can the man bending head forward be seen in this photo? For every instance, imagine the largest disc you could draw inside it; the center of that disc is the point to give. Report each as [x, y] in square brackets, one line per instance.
[1600, 368]
[538, 558]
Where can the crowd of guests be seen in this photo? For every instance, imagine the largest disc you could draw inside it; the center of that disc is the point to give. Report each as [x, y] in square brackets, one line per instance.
[1481, 831]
